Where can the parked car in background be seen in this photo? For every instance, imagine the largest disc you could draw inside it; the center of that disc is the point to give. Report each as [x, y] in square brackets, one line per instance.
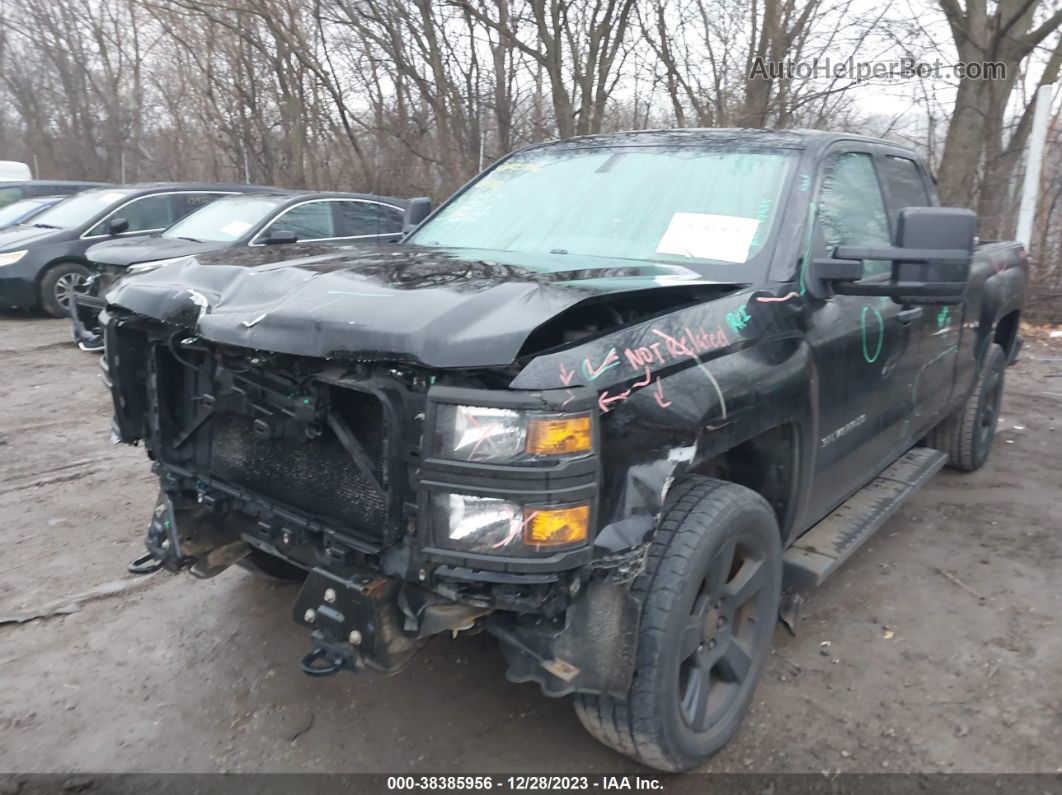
[24, 209]
[248, 221]
[14, 169]
[14, 191]
[41, 263]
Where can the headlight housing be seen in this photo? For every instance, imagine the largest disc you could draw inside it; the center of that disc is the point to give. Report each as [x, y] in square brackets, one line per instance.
[11, 257]
[488, 435]
[487, 525]
[144, 267]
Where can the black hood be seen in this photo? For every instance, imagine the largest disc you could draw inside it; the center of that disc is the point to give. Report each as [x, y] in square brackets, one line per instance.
[398, 303]
[123, 253]
[16, 237]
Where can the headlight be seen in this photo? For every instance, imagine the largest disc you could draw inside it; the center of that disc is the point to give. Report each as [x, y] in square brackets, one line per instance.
[144, 267]
[494, 435]
[11, 257]
[487, 525]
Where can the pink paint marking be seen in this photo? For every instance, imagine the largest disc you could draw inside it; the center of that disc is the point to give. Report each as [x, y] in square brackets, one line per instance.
[566, 375]
[610, 360]
[604, 399]
[660, 395]
[516, 530]
[769, 299]
[639, 384]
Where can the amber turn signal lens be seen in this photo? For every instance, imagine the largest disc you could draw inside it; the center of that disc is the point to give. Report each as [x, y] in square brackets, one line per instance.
[556, 527]
[559, 435]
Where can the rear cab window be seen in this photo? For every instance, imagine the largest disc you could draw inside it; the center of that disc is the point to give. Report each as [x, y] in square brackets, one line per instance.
[904, 184]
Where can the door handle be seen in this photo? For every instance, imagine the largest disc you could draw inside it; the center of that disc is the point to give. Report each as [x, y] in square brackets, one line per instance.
[909, 314]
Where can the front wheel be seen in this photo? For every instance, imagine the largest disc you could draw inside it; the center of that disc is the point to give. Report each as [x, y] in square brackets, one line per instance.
[709, 598]
[58, 286]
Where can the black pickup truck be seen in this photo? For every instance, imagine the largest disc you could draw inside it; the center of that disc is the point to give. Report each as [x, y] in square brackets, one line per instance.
[617, 402]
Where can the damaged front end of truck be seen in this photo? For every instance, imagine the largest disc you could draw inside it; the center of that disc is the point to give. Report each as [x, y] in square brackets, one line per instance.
[352, 416]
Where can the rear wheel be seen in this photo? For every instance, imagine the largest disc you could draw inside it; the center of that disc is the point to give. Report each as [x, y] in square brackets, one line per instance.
[58, 286]
[709, 598]
[966, 436]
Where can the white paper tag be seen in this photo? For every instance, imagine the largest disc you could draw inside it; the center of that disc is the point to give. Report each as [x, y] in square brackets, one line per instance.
[705, 236]
[235, 228]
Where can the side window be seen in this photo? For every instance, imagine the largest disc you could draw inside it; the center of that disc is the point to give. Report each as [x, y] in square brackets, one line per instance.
[8, 195]
[310, 221]
[904, 183]
[851, 208]
[150, 212]
[393, 219]
[185, 203]
[355, 218]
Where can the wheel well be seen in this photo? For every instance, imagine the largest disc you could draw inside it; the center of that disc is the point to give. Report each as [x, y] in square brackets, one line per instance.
[765, 463]
[56, 263]
[1007, 331]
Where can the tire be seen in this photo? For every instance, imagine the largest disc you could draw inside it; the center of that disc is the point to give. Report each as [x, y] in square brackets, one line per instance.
[687, 656]
[58, 285]
[966, 436]
[269, 567]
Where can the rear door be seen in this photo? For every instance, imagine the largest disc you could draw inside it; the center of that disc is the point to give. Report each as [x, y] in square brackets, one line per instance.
[862, 346]
[935, 327]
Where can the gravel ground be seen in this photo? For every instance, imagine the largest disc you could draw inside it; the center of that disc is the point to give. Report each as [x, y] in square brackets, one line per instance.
[937, 648]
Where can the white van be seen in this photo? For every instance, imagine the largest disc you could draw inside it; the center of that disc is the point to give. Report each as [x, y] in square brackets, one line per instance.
[12, 170]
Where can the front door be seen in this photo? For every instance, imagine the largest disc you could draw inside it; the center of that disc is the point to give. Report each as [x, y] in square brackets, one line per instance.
[863, 347]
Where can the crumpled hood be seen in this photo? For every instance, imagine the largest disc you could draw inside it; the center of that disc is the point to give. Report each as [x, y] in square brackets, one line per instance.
[401, 303]
[123, 253]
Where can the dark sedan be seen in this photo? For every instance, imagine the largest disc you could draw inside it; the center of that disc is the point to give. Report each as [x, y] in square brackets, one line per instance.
[21, 211]
[248, 222]
[14, 191]
[42, 262]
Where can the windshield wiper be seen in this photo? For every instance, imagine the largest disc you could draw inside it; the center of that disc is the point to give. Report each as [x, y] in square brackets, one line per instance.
[190, 239]
[45, 226]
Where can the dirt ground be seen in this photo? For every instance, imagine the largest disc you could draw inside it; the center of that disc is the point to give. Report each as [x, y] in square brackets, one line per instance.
[937, 648]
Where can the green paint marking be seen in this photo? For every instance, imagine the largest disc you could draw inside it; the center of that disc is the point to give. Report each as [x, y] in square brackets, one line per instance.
[863, 332]
[806, 256]
[762, 215]
[738, 319]
[942, 317]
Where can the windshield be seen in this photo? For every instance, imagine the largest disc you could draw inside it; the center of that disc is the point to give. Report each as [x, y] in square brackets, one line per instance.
[13, 213]
[688, 205]
[224, 220]
[80, 209]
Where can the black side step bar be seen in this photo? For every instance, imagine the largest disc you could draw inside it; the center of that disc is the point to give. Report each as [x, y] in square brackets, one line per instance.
[823, 548]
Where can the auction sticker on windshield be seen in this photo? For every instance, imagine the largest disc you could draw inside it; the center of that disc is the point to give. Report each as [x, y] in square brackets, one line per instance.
[726, 238]
[235, 228]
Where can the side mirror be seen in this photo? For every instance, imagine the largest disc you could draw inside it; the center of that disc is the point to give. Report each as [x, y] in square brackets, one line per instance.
[116, 226]
[416, 211]
[930, 261]
[278, 237]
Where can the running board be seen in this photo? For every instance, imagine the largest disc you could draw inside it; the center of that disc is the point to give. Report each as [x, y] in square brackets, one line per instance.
[823, 548]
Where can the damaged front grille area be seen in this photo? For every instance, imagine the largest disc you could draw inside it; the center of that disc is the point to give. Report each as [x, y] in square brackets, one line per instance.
[288, 441]
[315, 475]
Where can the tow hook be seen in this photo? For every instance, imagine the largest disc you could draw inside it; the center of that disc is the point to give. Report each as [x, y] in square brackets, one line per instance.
[355, 623]
[327, 659]
[163, 548]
